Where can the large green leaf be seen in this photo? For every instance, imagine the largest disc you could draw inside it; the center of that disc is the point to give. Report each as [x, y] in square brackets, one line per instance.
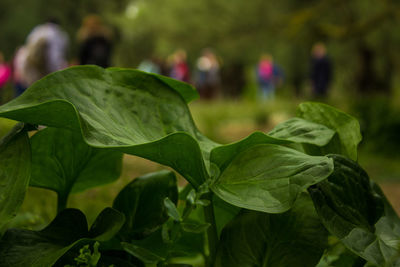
[139, 113]
[142, 202]
[294, 238]
[302, 131]
[222, 156]
[63, 162]
[295, 130]
[346, 126]
[358, 214]
[269, 177]
[15, 167]
[68, 230]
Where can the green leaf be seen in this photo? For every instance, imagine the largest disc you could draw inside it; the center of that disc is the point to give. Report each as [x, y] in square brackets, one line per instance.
[5, 126]
[142, 203]
[68, 230]
[172, 211]
[141, 253]
[269, 177]
[294, 238]
[223, 212]
[295, 130]
[187, 91]
[222, 156]
[107, 224]
[338, 255]
[302, 131]
[153, 248]
[358, 214]
[346, 126]
[15, 168]
[136, 112]
[63, 162]
[195, 227]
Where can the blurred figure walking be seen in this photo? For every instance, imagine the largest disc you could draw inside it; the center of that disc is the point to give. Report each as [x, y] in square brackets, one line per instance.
[179, 68]
[95, 42]
[44, 52]
[321, 70]
[268, 77]
[151, 65]
[5, 71]
[207, 74]
[5, 74]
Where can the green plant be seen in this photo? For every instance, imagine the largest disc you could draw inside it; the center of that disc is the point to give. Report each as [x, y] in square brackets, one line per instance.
[267, 200]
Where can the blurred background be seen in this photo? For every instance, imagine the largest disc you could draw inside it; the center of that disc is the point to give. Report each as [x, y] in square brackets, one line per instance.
[252, 62]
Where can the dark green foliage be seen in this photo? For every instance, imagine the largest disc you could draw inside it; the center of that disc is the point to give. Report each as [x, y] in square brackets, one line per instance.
[68, 230]
[293, 238]
[247, 203]
[358, 214]
[63, 162]
[15, 165]
[142, 202]
[346, 127]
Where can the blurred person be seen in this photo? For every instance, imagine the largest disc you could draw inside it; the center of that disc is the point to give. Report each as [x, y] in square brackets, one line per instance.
[268, 76]
[150, 65]
[54, 41]
[5, 71]
[321, 70]
[95, 42]
[18, 70]
[44, 52]
[207, 74]
[5, 74]
[179, 68]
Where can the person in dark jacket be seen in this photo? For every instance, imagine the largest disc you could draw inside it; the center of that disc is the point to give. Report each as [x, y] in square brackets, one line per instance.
[95, 42]
[321, 70]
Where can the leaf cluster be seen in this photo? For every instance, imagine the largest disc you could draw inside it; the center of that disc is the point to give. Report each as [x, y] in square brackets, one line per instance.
[271, 199]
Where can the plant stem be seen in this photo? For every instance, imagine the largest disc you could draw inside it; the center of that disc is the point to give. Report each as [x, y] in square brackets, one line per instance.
[212, 235]
[61, 202]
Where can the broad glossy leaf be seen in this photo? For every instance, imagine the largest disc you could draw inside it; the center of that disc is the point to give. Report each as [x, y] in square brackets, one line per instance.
[222, 156]
[302, 131]
[139, 113]
[63, 162]
[346, 126]
[269, 177]
[68, 230]
[15, 168]
[294, 238]
[187, 91]
[294, 130]
[142, 203]
[358, 214]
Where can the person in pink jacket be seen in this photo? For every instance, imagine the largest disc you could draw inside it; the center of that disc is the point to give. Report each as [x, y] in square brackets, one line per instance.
[5, 71]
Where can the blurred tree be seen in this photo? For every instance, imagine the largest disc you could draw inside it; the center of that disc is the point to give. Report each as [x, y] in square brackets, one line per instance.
[241, 30]
[361, 35]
